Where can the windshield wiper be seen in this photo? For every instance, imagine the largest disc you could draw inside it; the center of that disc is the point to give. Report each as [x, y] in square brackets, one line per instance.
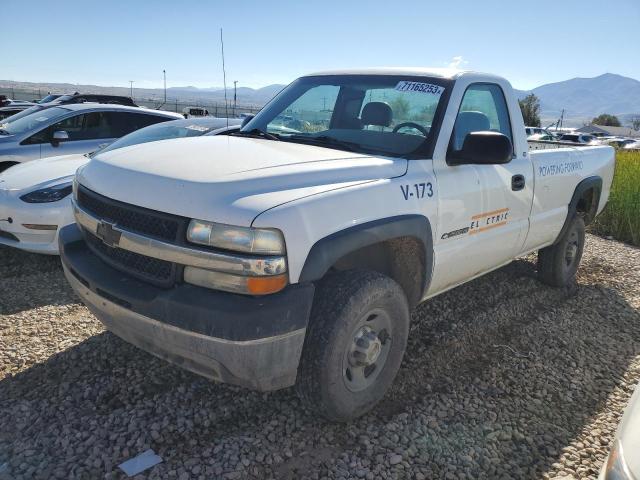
[325, 141]
[256, 132]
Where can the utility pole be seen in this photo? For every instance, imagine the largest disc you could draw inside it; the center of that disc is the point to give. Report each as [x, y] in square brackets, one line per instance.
[235, 98]
[131, 89]
[164, 73]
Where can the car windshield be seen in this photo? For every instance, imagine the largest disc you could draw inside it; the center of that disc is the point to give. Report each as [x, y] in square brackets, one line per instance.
[63, 98]
[380, 114]
[164, 131]
[32, 120]
[23, 113]
[48, 98]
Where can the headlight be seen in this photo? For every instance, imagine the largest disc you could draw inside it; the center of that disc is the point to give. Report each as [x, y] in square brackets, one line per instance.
[260, 241]
[74, 187]
[266, 242]
[227, 282]
[49, 194]
[616, 467]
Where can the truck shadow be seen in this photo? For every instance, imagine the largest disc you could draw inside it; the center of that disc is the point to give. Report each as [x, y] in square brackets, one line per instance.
[500, 375]
[20, 291]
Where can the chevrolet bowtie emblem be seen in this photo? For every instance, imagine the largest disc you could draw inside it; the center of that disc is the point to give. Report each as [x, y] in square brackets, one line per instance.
[106, 232]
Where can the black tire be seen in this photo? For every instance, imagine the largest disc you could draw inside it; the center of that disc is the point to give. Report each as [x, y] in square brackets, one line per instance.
[346, 305]
[558, 263]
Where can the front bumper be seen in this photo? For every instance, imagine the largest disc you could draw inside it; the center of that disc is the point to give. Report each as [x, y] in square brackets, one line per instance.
[255, 342]
[14, 213]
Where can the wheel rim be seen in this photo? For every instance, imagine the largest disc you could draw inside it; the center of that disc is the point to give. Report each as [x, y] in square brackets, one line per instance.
[367, 352]
[571, 250]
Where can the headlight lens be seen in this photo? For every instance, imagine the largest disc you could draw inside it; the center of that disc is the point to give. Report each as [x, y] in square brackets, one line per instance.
[261, 241]
[227, 282]
[74, 188]
[616, 467]
[49, 194]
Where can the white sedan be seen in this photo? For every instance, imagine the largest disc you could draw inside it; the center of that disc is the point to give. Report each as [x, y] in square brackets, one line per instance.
[623, 462]
[34, 196]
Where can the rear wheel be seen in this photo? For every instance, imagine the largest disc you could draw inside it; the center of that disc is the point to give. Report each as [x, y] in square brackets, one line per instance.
[558, 263]
[354, 345]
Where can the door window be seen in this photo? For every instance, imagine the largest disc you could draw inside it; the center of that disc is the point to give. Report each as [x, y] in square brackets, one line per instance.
[127, 122]
[483, 108]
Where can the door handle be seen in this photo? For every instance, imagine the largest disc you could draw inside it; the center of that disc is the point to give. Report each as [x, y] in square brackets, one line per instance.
[517, 182]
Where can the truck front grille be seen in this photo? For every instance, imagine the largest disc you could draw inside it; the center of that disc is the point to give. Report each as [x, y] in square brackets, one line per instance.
[152, 270]
[162, 226]
[136, 219]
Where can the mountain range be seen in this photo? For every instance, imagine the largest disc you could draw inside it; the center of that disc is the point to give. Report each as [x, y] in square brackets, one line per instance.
[580, 98]
[585, 98]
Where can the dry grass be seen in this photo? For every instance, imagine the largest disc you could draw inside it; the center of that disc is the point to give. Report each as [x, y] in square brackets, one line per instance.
[621, 218]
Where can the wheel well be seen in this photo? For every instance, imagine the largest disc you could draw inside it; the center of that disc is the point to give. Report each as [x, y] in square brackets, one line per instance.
[402, 259]
[587, 205]
[5, 165]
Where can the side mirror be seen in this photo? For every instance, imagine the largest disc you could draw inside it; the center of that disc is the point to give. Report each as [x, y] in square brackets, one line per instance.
[59, 136]
[246, 120]
[482, 148]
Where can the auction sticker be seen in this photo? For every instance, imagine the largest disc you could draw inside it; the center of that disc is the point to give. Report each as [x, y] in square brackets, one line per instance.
[407, 86]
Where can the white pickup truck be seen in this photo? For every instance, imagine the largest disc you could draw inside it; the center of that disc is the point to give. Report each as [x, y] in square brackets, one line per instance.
[292, 250]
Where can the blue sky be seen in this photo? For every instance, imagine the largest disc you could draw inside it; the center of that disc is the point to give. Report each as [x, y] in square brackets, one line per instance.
[111, 42]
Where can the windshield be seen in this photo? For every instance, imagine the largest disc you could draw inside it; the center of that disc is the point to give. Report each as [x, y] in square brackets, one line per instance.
[21, 114]
[162, 131]
[28, 122]
[381, 114]
[63, 98]
[48, 98]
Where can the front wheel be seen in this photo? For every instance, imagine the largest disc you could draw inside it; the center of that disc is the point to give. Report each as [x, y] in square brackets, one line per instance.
[354, 345]
[558, 263]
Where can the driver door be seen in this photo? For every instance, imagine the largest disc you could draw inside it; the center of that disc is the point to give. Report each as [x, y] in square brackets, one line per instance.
[483, 210]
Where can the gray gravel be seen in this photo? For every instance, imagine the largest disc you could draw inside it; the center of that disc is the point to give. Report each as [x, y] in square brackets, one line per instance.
[503, 378]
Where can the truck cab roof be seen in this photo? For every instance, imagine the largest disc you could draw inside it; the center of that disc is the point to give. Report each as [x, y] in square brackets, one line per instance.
[445, 73]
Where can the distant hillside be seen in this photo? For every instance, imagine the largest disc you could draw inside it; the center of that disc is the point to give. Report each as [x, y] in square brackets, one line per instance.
[585, 98]
[187, 94]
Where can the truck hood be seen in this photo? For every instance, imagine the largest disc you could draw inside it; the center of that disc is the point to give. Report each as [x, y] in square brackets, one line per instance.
[40, 173]
[225, 178]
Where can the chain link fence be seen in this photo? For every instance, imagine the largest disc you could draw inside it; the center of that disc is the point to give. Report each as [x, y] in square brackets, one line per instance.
[216, 109]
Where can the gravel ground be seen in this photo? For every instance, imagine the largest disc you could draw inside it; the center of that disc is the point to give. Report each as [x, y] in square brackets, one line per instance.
[503, 378]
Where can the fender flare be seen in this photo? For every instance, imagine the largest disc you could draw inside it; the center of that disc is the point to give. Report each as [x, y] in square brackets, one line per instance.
[328, 250]
[593, 182]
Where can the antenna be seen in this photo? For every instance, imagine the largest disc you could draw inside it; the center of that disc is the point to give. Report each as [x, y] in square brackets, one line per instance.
[224, 80]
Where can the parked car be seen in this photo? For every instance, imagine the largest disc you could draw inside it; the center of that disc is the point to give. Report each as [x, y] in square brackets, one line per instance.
[537, 137]
[632, 146]
[536, 131]
[623, 462]
[14, 113]
[75, 128]
[618, 142]
[92, 98]
[7, 102]
[49, 98]
[6, 112]
[34, 196]
[189, 112]
[579, 138]
[276, 257]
